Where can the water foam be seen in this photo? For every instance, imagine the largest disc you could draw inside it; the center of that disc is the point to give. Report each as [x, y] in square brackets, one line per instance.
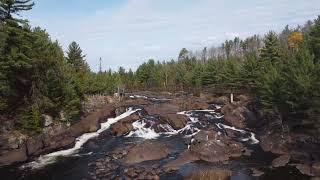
[151, 98]
[80, 141]
[139, 130]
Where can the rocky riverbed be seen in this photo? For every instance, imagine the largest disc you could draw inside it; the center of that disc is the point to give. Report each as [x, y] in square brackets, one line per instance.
[168, 136]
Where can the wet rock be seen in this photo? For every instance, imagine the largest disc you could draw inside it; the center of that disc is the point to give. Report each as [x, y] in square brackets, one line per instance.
[121, 128]
[125, 125]
[146, 151]
[176, 121]
[274, 143]
[213, 174]
[91, 123]
[281, 161]
[239, 116]
[236, 117]
[13, 156]
[212, 146]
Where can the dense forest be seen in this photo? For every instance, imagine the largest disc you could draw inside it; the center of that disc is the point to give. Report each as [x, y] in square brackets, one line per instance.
[282, 70]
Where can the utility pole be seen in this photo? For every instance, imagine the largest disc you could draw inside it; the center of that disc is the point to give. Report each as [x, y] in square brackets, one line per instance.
[100, 66]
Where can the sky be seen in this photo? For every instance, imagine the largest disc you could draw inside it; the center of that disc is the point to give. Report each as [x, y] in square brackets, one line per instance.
[129, 32]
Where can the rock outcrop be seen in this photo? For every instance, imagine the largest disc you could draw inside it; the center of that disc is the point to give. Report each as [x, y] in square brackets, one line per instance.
[124, 125]
[18, 148]
[146, 151]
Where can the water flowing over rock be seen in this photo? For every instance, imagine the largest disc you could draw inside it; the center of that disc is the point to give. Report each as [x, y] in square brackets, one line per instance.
[162, 137]
[80, 141]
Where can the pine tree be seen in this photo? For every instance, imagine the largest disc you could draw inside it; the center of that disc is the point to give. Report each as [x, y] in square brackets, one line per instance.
[271, 50]
[315, 39]
[13, 7]
[75, 57]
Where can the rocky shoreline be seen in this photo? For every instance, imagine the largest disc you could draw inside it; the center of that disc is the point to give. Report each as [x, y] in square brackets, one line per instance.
[20, 148]
[159, 115]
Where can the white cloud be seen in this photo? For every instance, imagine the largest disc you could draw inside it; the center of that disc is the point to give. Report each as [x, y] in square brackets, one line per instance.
[141, 29]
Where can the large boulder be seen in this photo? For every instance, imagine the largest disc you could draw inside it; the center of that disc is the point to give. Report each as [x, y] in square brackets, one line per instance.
[209, 146]
[176, 121]
[124, 125]
[239, 116]
[60, 142]
[91, 123]
[212, 146]
[274, 143]
[146, 151]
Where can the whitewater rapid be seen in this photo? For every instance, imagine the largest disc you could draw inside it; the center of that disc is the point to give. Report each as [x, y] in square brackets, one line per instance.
[80, 141]
[191, 129]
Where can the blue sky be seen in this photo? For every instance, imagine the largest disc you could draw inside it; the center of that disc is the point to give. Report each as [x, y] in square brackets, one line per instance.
[129, 32]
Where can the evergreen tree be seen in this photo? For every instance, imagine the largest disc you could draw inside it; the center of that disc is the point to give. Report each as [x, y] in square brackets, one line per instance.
[13, 7]
[315, 39]
[271, 51]
[75, 57]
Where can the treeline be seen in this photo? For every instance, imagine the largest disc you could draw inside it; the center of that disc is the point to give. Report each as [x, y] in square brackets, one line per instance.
[37, 77]
[281, 70]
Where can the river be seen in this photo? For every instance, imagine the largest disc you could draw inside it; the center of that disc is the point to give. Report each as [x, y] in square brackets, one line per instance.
[75, 163]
